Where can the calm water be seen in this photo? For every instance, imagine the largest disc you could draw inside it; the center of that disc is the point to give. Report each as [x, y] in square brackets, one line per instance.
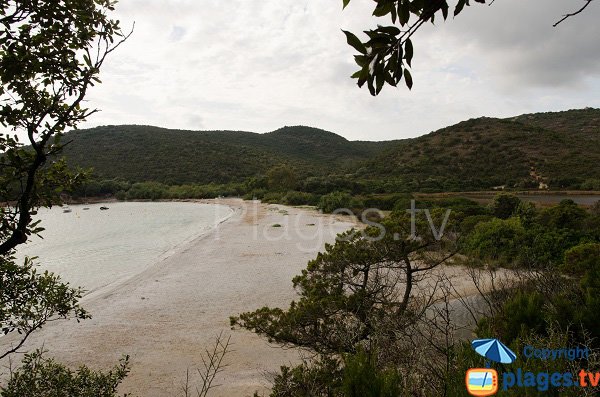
[93, 248]
[544, 199]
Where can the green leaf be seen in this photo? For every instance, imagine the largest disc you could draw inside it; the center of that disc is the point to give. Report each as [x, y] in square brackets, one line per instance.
[389, 79]
[346, 2]
[408, 79]
[370, 85]
[408, 51]
[391, 30]
[382, 10]
[87, 60]
[361, 60]
[459, 6]
[405, 12]
[355, 42]
[379, 78]
[364, 75]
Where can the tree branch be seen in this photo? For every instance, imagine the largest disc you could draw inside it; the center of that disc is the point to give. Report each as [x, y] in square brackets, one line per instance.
[587, 3]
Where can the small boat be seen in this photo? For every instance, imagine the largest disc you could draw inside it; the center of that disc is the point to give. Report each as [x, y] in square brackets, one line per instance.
[103, 208]
[86, 208]
[66, 210]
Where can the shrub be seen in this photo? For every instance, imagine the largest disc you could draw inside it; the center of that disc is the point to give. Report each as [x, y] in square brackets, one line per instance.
[318, 379]
[336, 200]
[300, 198]
[504, 205]
[42, 377]
[147, 191]
[272, 197]
[497, 240]
[566, 215]
[582, 258]
[362, 378]
[468, 224]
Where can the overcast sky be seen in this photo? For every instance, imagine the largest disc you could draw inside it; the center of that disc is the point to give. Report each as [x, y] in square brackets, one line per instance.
[257, 65]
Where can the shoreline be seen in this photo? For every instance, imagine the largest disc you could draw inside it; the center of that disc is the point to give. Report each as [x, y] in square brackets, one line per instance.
[165, 316]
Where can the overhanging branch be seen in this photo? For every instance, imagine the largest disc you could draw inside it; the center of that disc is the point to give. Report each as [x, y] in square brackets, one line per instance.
[587, 3]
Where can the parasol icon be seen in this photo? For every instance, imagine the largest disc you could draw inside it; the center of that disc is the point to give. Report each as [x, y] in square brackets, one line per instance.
[494, 350]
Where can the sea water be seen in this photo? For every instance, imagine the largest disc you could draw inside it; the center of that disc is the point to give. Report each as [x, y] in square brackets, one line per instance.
[93, 248]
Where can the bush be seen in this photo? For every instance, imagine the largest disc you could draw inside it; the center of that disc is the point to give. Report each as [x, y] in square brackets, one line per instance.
[334, 201]
[542, 247]
[468, 224]
[300, 198]
[582, 258]
[42, 377]
[319, 379]
[498, 240]
[257, 194]
[386, 202]
[504, 205]
[272, 197]
[521, 315]
[147, 191]
[566, 215]
[362, 379]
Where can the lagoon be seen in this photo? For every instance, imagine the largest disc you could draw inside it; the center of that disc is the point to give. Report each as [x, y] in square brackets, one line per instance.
[94, 248]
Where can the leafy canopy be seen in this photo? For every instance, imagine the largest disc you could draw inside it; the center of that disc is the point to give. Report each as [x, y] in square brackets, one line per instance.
[386, 57]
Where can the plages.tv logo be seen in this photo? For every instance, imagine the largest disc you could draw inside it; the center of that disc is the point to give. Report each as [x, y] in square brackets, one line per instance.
[483, 382]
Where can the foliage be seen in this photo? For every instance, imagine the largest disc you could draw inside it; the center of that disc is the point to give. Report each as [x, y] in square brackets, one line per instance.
[350, 290]
[504, 206]
[42, 377]
[386, 57]
[497, 239]
[175, 157]
[542, 247]
[566, 215]
[488, 153]
[300, 198]
[362, 378]
[563, 154]
[389, 49]
[359, 301]
[281, 178]
[595, 209]
[582, 258]
[520, 315]
[335, 201]
[29, 299]
[555, 337]
[469, 223]
[321, 378]
[50, 56]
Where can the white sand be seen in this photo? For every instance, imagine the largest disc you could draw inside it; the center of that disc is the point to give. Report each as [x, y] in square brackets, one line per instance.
[167, 315]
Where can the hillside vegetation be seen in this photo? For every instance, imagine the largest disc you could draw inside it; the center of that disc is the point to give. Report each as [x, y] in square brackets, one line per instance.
[143, 153]
[559, 150]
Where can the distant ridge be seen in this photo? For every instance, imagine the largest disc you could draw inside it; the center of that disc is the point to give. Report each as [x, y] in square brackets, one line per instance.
[142, 153]
[558, 149]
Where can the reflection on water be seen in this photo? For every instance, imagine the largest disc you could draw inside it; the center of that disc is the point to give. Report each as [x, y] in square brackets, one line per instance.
[92, 248]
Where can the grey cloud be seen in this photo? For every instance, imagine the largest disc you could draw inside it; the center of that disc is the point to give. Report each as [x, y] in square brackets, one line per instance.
[258, 65]
[516, 41]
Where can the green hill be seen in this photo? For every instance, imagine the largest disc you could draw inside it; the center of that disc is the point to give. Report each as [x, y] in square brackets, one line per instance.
[143, 153]
[560, 149]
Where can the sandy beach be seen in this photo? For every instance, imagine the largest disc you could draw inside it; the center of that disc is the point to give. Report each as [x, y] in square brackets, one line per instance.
[168, 314]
